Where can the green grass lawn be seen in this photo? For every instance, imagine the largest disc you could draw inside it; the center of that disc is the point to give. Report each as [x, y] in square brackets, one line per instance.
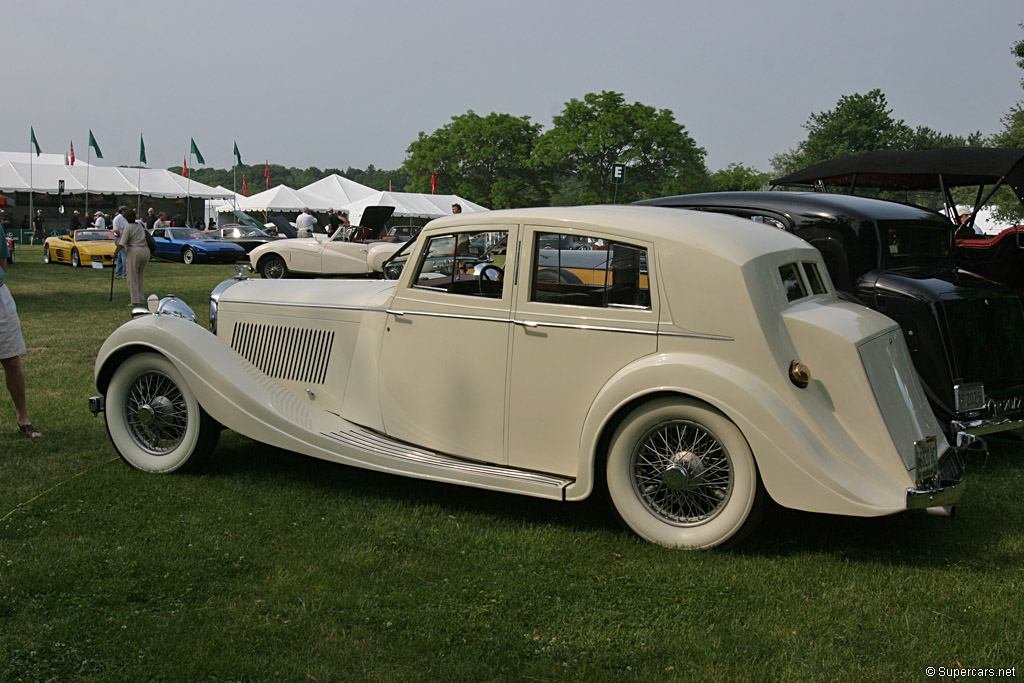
[269, 566]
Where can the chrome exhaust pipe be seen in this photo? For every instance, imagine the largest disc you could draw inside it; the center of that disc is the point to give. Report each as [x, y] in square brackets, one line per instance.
[942, 510]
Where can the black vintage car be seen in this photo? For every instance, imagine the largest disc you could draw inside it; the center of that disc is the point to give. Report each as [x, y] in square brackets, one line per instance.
[244, 236]
[965, 333]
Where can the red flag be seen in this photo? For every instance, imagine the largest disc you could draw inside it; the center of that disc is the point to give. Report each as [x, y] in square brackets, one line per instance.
[433, 183]
[266, 174]
[245, 190]
[184, 167]
[72, 153]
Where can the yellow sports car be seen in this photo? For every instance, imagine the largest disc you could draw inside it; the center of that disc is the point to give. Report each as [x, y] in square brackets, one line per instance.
[82, 247]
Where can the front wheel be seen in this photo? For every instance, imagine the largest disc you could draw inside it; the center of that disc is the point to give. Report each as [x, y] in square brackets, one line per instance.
[681, 474]
[188, 256]
[76, 260]
[273, 268]
[153, 418]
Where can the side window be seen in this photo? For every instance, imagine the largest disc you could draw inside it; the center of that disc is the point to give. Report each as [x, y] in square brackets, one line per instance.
[159, 232]
[588, 272]
[467, 263]
[768, 220]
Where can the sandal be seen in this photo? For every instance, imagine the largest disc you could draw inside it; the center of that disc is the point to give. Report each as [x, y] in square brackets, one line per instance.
[30, 431]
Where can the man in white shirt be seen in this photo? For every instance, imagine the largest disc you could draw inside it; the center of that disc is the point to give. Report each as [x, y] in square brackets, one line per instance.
[99, 221]
[305, 221]
[120, 223]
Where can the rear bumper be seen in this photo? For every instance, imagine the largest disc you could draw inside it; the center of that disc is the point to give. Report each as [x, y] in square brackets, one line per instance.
[945, 488]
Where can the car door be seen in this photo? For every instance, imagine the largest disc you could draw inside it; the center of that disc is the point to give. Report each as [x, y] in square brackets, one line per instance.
[164, 248]
[585, 307]
[444, 354]
[340, 257]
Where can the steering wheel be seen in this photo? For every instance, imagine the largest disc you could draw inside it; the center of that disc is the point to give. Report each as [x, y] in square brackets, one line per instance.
[499, 273]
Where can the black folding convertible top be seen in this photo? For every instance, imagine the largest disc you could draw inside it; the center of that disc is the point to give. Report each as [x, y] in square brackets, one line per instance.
[937, 169]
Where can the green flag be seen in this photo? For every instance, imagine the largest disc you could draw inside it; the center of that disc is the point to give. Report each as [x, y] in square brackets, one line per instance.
[33, 139]
[195, 150]
[142, 149]
[92, 143]
[238, 157]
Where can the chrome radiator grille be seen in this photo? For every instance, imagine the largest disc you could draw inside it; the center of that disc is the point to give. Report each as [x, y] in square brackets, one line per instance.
[292, 353]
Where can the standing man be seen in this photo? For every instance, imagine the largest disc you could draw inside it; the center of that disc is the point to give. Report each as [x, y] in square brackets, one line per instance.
[75, 223]
[37, 228]
[12, 345]
[120, 223]
[333, 222]
[150, 219]
[305, 221]
[99, 222]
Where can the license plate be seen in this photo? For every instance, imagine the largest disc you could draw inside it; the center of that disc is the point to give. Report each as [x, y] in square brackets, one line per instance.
[926, 456]
[969, 396]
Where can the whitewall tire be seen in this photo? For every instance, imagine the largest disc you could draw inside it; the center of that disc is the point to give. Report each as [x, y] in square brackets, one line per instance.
[153, 418]
[681, 474]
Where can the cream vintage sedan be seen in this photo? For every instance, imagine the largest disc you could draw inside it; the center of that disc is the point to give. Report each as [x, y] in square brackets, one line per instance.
[687, 365]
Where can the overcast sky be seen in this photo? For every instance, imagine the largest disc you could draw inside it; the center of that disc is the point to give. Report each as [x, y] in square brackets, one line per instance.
[331, 83]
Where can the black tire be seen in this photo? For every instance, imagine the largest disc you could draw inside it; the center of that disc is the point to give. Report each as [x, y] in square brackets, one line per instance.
[273, 267]
[76, 260]
[680, 474]
[153, 418]
[188, 256]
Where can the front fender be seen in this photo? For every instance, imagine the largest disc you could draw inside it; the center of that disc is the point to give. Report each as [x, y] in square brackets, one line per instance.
[803, 465]
[232, 390]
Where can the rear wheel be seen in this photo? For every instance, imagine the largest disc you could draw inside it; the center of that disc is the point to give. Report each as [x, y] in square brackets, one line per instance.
[680, 474]
[75, 258]
[273, 268]
[188, 256]
[46, 255]
[153, 418]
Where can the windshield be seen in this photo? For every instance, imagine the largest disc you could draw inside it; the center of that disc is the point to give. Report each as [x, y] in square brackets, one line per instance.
[186, 234]
[928, 238]
[93, 235]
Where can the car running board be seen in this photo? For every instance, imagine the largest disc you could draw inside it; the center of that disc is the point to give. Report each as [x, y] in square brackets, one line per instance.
[417, 462]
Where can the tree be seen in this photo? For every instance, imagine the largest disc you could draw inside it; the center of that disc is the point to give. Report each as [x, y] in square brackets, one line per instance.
[859, 123]
[485, 159]
[602, 129]
[738, 177]
[1008, 207]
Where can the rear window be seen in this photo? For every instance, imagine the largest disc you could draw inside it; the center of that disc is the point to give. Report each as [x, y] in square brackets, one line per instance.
[800, 280]
[925, 238]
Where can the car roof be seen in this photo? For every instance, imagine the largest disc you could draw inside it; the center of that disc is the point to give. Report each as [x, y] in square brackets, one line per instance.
[737, 239]
[788, 203]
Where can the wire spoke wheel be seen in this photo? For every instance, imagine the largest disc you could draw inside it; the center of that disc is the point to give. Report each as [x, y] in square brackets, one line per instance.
[682, 473]
[155, 413]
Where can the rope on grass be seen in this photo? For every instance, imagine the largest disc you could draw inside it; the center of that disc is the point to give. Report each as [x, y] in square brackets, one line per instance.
[56, 486]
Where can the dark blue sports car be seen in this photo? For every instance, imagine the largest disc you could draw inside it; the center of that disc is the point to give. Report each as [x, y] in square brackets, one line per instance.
[189, 245]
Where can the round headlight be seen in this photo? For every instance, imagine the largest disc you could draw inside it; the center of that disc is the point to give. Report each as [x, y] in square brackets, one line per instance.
[172, 305]
[799, 374]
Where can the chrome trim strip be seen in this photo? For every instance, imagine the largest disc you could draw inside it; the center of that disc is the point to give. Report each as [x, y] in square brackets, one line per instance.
[382, 445]
[918, 499]
[296, 304]
[630, 330]
[456, 316]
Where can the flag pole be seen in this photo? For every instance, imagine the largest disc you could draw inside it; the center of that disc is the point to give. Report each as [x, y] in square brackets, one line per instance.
[31, 193]
[88, 158]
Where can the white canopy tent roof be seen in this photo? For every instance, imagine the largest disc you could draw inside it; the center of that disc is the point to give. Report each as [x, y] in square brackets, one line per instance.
[411, 205]
[17, 176]
[280, 198]
[338, 190]
[38, 159]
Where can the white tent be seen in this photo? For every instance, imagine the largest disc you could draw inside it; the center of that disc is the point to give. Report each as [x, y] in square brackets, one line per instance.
[281, 198]
[17, 176]
[411, 205]
[338, 190]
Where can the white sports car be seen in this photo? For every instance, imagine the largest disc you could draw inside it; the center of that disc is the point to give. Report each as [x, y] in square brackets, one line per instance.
[320, 255]
[687, 365]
